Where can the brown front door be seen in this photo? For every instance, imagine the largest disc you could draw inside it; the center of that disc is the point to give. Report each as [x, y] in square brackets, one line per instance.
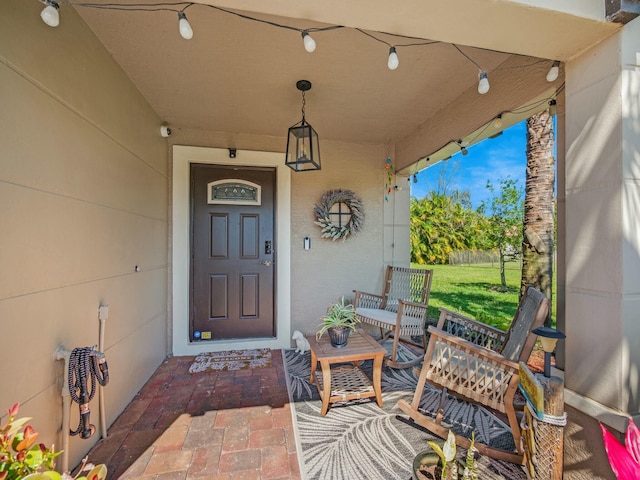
[232, 252]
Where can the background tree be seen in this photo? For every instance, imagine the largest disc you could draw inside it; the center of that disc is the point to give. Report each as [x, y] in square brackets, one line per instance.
[447, 177]
[505, 213]
[539, 211]
[441, 224]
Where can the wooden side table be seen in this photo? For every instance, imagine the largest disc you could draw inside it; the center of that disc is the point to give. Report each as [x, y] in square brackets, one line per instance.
[346, 382]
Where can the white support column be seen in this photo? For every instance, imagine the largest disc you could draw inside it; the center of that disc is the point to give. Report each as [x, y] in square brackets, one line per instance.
[397, 250]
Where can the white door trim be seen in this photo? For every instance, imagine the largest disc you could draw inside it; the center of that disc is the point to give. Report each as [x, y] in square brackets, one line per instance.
[183, 156]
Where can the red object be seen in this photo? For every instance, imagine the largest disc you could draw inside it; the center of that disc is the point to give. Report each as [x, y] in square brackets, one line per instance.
[624, 461]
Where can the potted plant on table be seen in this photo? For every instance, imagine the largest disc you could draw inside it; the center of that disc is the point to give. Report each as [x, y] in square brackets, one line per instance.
[339, 321]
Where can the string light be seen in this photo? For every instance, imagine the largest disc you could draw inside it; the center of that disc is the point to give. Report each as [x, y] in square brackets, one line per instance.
[393, 61]
[463, 147]
[186, 31]
[552, 76]
[483, 83]
[497, 123]
[309, 43]
[50, 14]
[531, 107]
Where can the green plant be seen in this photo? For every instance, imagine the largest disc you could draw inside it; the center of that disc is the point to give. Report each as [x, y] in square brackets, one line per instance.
[20, 455]
[447, 456]
[339, 315]
[22, 458]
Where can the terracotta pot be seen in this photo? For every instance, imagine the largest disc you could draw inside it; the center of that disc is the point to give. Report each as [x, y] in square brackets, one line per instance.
[339, 336]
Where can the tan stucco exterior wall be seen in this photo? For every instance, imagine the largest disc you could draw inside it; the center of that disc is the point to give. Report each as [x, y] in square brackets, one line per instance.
[84, 194]
[332, 269]
[602, 189]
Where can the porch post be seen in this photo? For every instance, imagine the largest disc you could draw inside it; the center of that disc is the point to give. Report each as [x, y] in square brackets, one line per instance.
[602, 255]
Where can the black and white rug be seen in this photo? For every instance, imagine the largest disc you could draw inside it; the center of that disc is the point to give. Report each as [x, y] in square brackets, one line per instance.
[359, 440]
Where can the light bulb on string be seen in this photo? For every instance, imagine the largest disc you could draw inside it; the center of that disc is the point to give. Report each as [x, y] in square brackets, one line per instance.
[497, 123]
[309, 43]
[186, 31]
[483, 83]
[393, 61]
[552, 76]
[50, 14]
[552, 106]
[463, 147]
[415, 178]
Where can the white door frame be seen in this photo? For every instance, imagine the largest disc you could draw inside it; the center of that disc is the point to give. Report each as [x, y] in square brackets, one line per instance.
[183, 156]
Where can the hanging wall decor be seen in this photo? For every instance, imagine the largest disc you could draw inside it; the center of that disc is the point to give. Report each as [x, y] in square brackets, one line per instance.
[388, 166]
[339, 214]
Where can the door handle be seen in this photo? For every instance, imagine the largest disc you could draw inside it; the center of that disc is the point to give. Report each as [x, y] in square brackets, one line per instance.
[267, 263]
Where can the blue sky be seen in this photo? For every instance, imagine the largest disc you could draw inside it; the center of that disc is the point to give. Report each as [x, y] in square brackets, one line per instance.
[492, 159]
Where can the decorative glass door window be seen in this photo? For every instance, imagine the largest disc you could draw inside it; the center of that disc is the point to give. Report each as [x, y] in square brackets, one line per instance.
[232, 191]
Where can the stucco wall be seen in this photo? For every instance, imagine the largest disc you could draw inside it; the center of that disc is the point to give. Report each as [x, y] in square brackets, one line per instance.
[83, 189]
[332, 269]
[602, 216]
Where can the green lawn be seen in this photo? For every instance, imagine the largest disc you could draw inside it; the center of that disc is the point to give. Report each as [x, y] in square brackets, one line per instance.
[475, 291]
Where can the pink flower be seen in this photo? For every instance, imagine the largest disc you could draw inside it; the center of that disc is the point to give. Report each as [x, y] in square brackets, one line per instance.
[625, 462]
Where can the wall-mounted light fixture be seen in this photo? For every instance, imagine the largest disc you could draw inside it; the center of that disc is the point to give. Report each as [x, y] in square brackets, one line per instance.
[548, 337]
[303, 146]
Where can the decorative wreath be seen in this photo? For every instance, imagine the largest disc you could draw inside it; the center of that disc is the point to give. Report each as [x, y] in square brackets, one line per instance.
[323, 209]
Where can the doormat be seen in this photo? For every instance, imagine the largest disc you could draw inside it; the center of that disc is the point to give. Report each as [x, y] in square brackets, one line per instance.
[231, 360]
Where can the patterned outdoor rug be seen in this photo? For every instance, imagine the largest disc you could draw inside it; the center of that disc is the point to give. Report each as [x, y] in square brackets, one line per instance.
[359, 440]
[231, 360]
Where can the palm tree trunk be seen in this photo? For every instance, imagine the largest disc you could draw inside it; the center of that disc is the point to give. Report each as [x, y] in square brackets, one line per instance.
[538, 237]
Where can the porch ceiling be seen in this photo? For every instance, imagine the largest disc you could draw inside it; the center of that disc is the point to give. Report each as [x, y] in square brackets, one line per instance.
[239, 76]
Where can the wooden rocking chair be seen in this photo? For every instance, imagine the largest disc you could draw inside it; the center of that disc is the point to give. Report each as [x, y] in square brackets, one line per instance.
[479, 364]
[400, 311]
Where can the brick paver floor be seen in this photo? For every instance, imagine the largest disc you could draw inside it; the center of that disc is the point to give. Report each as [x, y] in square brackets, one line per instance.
[208, 426]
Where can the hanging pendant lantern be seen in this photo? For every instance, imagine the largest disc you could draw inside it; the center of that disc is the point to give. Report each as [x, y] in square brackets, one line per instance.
[303, 147]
